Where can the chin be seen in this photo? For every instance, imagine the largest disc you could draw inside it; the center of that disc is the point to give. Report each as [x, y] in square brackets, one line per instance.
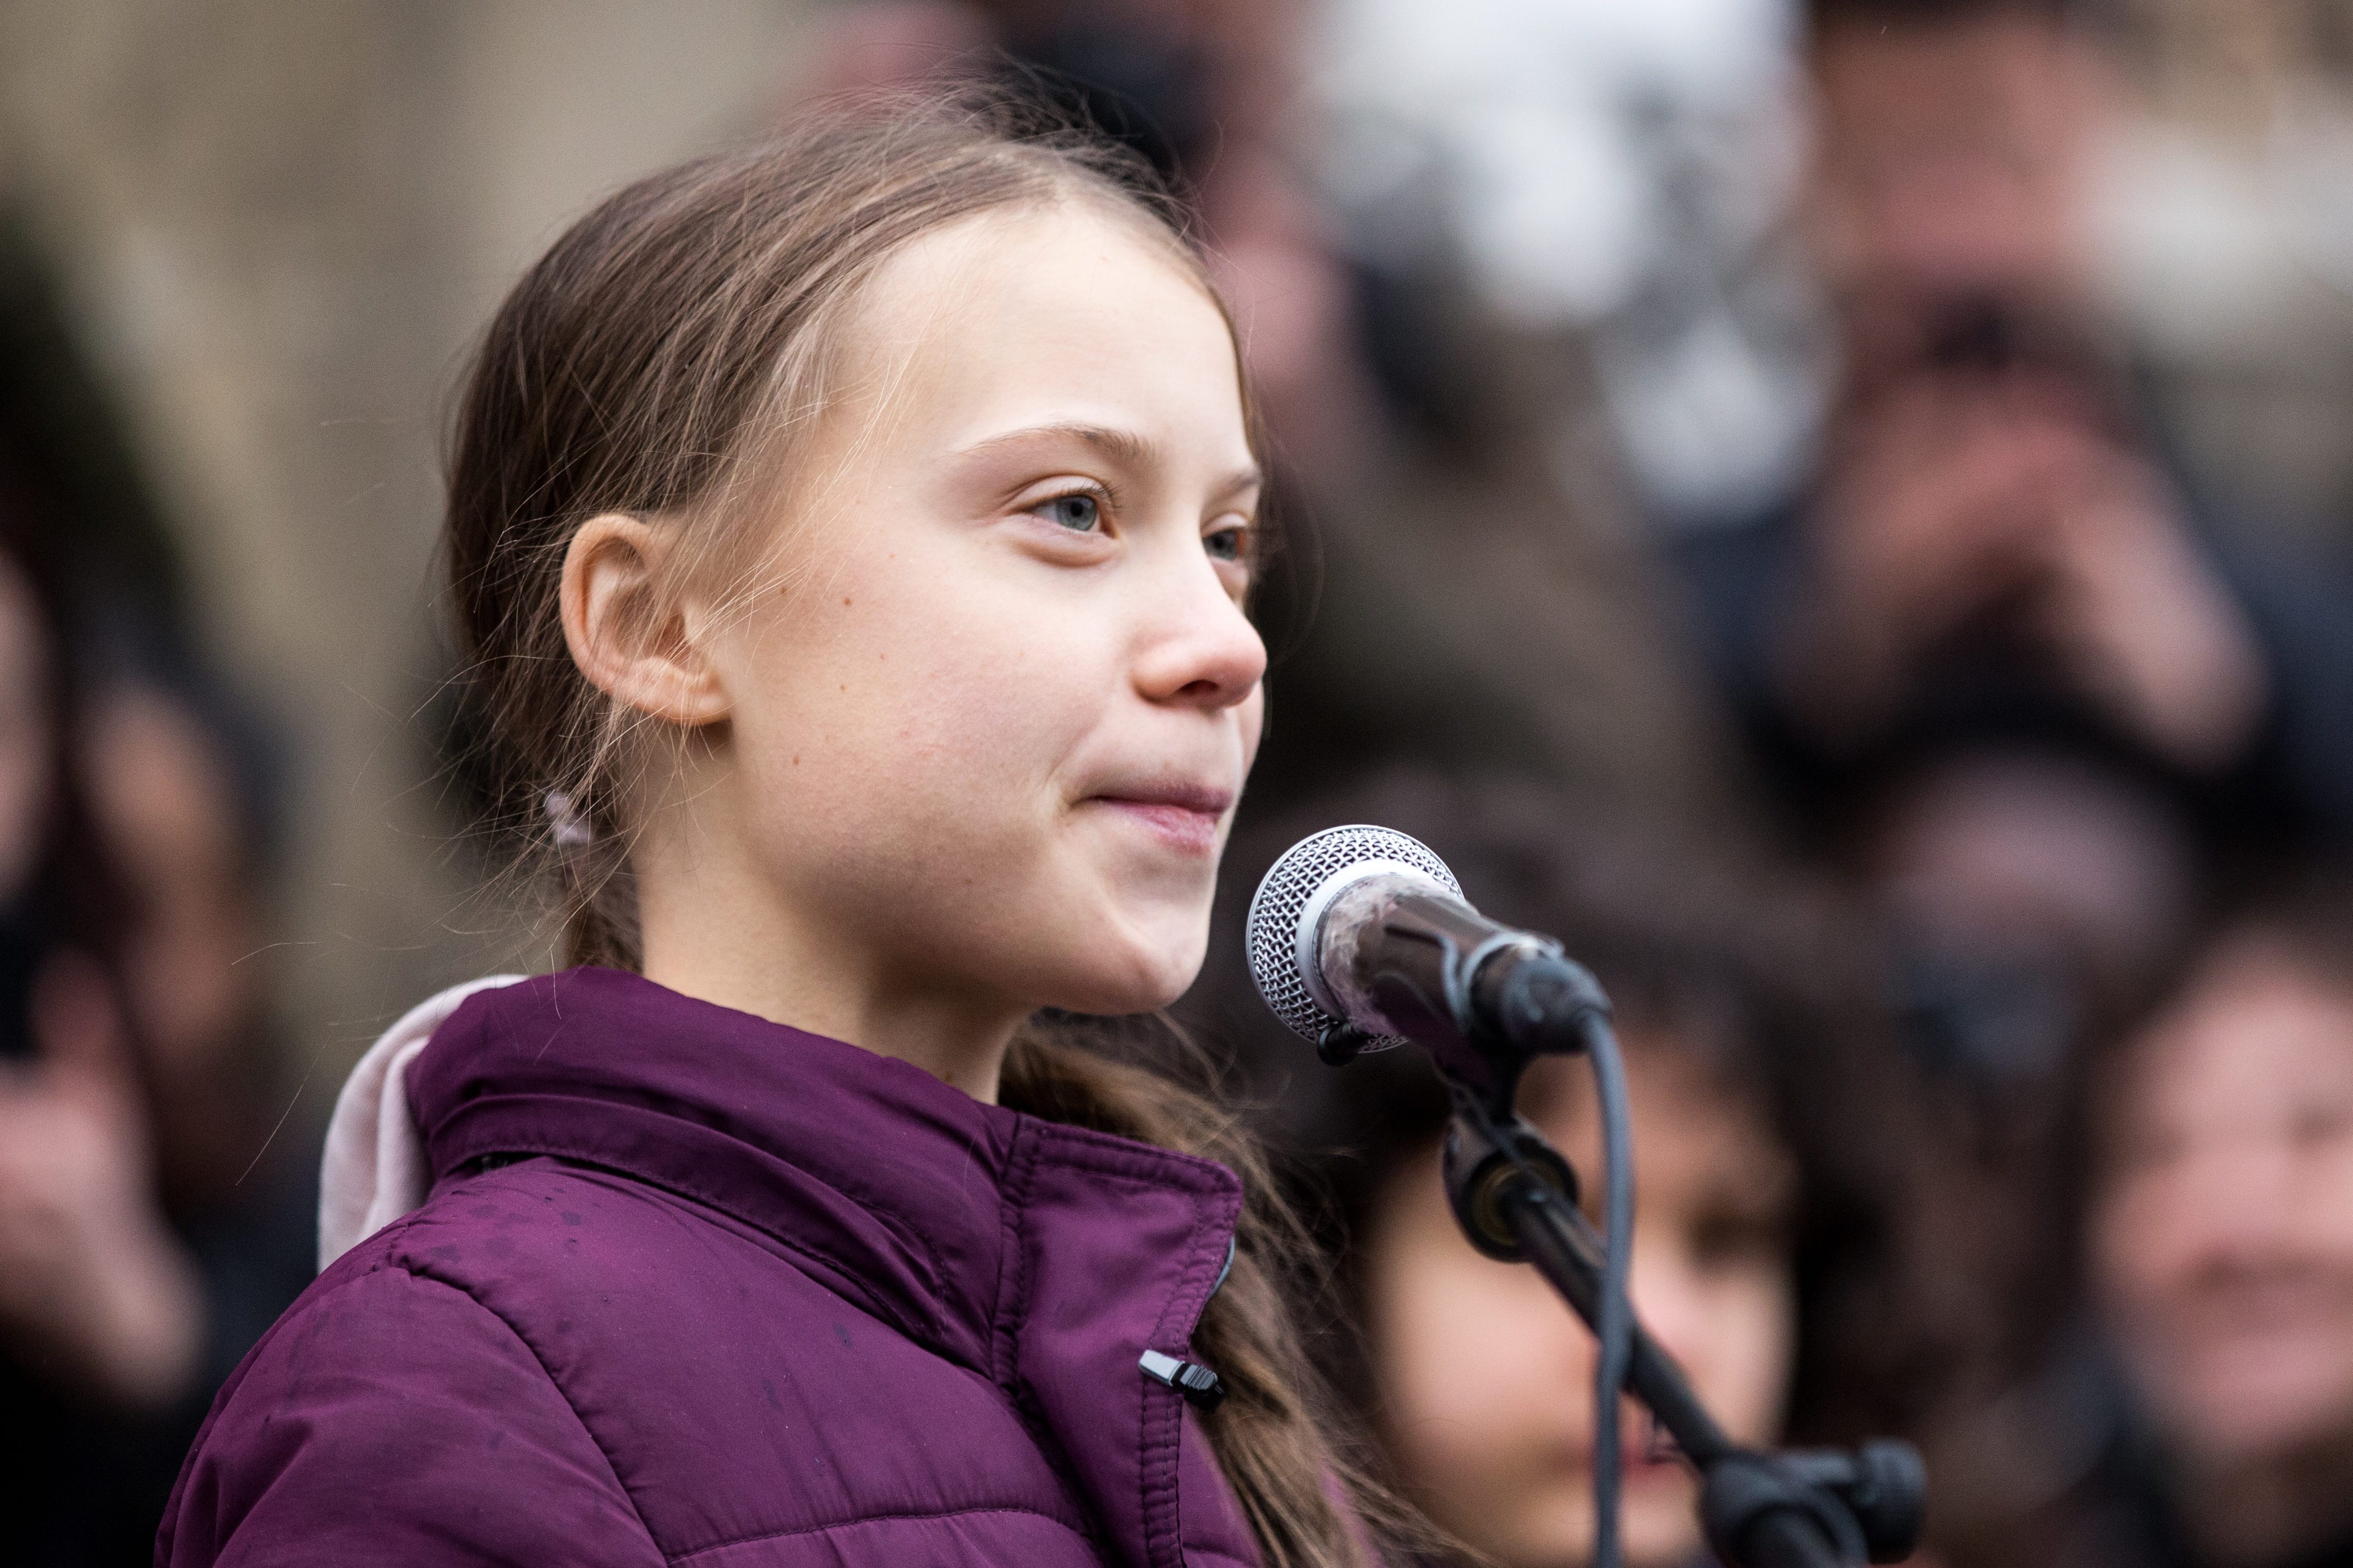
[1562, 1537]
[1662, 1532]
[2253, 1418]
[1132, 969]
[1118, 994]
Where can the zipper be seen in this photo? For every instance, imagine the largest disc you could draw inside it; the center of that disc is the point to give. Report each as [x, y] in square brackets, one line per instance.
[1203, 1389]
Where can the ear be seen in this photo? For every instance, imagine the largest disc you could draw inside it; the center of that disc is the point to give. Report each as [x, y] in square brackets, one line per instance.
[633, 643]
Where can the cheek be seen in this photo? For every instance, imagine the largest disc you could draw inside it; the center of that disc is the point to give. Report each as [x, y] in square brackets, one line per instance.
[1485, 1382]
[2129, 1250]
[1253, 724]
[2324, 1212]
[907, 745]
[1478, 1365]
[1448, 1380]
[905, 698]
[1751, 1317]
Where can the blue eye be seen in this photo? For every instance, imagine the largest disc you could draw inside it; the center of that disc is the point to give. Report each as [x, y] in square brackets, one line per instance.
[1080, 513]
[1226, 543]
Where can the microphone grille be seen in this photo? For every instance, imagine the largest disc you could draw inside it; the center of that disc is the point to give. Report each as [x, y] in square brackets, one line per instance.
[1285, 895]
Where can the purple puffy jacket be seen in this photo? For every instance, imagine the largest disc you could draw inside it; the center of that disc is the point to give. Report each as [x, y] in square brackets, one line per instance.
[693, 1286]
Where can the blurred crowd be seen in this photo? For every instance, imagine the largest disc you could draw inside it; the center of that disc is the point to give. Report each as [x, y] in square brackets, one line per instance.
[1730, 508]
[150, 1225]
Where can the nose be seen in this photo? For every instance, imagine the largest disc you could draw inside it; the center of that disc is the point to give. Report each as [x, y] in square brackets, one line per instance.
[1667, 1297]
[1199, 649]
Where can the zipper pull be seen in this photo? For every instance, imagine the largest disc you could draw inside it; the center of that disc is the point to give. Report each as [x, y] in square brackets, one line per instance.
[1202, 1388]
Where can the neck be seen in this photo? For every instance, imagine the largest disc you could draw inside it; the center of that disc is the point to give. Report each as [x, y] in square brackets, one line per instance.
[712, 930]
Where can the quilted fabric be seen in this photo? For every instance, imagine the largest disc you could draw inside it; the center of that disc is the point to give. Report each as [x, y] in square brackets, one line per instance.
[693, 1287]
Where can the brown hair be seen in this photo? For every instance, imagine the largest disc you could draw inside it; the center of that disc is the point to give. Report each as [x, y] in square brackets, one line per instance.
[664, 358]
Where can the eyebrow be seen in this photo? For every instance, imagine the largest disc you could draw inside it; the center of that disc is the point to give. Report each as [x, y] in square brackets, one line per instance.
[1122, 447]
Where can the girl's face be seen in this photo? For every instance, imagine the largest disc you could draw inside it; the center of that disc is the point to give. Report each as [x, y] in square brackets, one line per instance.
[987, 740]
[1486, 1379]
[2222, 1233]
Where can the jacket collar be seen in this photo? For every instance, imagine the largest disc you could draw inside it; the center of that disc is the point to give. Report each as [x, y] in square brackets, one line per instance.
[949, 1219]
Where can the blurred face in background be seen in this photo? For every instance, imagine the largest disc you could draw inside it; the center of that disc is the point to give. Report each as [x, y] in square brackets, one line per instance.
[1952, 164]
[2223, 1229]
[163, 798]
[2018, 881]
[1485, 1378]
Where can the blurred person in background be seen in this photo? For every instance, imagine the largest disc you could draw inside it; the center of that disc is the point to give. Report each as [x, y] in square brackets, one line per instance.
[151, 1225]
[102, 1319]
[1508, 185]
[1777, 1251]
[2024, 881]
[182, 781]
[1989, 654]
[2220, 1247]
[2001, 664]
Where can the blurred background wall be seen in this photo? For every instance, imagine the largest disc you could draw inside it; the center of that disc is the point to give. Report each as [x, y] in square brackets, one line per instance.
[2230, 236]
[275, 228]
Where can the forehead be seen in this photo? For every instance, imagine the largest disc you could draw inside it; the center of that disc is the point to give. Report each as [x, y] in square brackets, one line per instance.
[2257, 1035]
[1958, 83]
[1697, 1129]
[1068, 313]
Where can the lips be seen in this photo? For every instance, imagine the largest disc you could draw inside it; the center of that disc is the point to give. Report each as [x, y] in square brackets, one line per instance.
[1182, 815]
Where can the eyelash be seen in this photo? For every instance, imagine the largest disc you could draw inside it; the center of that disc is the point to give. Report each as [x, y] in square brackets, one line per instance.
[1101, 495]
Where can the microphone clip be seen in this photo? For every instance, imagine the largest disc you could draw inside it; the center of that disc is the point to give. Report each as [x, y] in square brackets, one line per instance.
[1488, 1165]
[1338, 1045]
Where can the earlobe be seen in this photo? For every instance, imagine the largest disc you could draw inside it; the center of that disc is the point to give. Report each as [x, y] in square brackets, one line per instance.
[633, 641]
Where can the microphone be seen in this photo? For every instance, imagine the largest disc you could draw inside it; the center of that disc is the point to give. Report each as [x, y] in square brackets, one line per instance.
[1360, 939]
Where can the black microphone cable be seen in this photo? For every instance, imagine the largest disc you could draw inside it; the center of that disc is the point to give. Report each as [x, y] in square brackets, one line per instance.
[1615, 1332]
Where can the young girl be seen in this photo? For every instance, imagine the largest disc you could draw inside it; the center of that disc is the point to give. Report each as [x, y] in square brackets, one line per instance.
[849, 538]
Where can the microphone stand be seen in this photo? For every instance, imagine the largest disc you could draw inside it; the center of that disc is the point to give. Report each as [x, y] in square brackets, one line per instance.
[1485, 1009]
[1514, 1196]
